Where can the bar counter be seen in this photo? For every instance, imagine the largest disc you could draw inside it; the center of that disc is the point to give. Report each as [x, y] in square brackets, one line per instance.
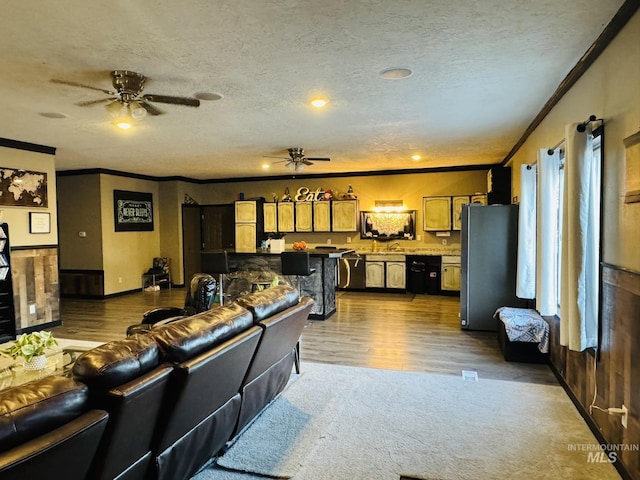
[260, 268]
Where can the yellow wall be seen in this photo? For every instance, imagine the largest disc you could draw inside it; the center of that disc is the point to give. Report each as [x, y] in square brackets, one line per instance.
[610, 89]
[18, 217]
[126, 255]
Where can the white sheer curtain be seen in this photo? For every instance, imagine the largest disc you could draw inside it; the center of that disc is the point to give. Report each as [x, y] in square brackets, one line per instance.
[526, 272]
[548, 231]
[580, 242]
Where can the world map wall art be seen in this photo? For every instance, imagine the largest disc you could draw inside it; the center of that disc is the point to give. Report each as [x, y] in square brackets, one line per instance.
[22, 188]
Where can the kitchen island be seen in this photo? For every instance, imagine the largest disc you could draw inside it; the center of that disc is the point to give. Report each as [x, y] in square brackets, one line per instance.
[258, 269]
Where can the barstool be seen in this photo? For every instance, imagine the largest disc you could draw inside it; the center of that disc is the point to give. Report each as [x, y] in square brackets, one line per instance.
[216, 263]
[296, 263]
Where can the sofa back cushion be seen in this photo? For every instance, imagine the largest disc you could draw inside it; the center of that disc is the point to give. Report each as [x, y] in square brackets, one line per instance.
[269, 301]
[117, 362]
[188, 337]
[32, 409]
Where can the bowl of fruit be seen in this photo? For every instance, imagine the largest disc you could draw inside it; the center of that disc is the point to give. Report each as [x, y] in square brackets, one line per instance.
[300, 245]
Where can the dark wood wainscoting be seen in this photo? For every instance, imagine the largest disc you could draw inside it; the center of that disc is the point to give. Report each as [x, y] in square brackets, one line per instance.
[82, 283]
[35, 287]
[617, 372]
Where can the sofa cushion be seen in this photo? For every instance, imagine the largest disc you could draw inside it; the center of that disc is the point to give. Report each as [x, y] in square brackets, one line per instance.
[32, 409]
[269, 301]
[186, 338]
[117, 362]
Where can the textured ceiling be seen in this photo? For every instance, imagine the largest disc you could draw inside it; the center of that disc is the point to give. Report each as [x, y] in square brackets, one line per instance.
[482, 71]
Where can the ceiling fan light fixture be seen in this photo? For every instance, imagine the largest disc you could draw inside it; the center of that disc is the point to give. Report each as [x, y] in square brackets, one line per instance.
[299, 167]
[136, 110]
[114, 108]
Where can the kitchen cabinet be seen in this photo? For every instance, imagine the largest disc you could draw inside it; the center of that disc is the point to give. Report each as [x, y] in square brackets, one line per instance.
[480, 198]
[450, 273]
[249, 220]
[270, 217]
[374, 276]
[385, 271]
[246, 237]
[396, 275]
[322, 216]
[457, 203]
[344, 215]
[436, 214]
[246, 211]
[286, 217]
[304, 216]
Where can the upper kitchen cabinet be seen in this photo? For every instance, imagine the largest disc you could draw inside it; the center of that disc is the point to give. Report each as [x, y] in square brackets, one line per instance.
[436, 214]
[458, 201]
[246, 211]
[480, 198]
[322, 216]
[344, 215]
[304, 217]
[286, 217]
[270, 217]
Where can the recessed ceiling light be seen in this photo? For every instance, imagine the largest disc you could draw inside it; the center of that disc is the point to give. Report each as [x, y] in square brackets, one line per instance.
[209, 96]
[396, 73]
[266, 166]
[416, 157]
[319, 102]
[53, 115]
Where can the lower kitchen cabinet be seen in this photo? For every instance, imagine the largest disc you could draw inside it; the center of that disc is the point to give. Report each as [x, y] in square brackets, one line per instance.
[450, 274]
[386, 271]
[374, 274]
[396, 275]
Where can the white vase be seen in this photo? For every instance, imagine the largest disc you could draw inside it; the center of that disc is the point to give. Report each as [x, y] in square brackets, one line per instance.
[38, 362]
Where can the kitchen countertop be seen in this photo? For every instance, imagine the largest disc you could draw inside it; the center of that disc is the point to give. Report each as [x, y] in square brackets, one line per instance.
[313, 252]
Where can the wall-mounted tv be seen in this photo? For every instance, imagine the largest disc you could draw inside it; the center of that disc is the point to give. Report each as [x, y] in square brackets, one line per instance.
[387, 226]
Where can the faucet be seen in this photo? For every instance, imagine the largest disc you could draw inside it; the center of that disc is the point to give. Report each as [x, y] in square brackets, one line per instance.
[393, 246]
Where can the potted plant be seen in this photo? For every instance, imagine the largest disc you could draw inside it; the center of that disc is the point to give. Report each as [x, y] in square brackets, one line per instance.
[31, 347]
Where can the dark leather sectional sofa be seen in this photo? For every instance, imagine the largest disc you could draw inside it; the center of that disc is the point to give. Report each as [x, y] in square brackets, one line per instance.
[156, 406]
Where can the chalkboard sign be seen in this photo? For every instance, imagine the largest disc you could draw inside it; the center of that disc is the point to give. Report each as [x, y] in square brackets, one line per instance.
[133, 211]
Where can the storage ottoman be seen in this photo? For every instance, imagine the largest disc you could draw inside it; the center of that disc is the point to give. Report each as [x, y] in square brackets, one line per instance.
[523, 335]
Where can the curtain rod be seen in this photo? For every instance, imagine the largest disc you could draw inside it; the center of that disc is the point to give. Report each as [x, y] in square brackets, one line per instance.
[581, 128]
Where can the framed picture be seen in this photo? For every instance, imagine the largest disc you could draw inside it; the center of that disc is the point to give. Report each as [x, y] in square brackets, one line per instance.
[39, 222]
[133, 211]
[23, 188]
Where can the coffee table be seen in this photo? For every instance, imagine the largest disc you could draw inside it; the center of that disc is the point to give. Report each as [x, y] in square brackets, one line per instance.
[59, 361]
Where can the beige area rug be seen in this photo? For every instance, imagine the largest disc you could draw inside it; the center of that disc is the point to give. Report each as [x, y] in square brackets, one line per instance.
[338, 422]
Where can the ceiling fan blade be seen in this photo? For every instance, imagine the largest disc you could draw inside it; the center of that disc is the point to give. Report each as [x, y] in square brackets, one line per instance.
[88, 103]
[306, 161]
[151, 110]
[318, 159]
[76, 84]
[272, 156]
[186, 101]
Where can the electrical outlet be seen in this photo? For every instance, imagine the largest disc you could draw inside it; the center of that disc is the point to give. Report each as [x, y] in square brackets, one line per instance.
[119, 279]
[444, 241]
[32, 308]
[625, 415]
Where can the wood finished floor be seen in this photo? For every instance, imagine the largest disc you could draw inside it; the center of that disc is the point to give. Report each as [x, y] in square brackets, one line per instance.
[390, 331]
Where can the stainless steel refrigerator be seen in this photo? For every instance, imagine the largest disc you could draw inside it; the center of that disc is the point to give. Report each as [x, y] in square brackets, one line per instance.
[489, 241]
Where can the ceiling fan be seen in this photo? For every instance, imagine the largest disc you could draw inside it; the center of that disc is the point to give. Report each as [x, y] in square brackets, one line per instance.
[127, 95]
[297, 160]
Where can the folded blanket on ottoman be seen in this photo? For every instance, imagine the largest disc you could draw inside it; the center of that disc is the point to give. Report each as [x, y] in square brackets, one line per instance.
[524, 325]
